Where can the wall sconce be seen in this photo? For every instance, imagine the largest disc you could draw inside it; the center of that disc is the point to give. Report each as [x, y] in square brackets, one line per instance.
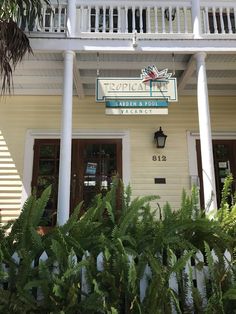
[168, 14]
[160, 138]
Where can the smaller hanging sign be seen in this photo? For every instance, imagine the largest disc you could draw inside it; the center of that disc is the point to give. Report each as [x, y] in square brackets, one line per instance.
[136, 111]
[136, 103]
[136, 107]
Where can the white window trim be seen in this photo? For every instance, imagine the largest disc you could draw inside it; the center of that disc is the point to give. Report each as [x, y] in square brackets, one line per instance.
[32, 134]
[192, 136]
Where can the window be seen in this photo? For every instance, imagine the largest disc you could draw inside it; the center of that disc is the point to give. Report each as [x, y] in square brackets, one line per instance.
[140, 16]
[110, 18]
[219, 24]
[97, 20]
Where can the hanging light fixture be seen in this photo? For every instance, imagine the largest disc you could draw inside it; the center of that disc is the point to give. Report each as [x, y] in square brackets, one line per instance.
[160, 138]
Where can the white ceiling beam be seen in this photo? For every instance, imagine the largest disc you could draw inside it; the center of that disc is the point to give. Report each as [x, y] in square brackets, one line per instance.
[77, 79]
[36, 80]
[119, 65]
[128, 65]
[40, 64]
[224, 66]
[123, 43]
[183, 81]
[210, 92]
[38, 91]
[33, 80]
[93, 64]
[216, 80]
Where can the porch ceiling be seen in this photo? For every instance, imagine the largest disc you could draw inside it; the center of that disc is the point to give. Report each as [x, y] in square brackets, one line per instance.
[42, 73]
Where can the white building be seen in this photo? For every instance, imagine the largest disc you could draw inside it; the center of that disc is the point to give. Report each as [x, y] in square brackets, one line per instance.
[54, 97]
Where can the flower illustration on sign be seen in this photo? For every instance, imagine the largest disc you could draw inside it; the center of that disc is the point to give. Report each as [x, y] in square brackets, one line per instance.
[151, 73]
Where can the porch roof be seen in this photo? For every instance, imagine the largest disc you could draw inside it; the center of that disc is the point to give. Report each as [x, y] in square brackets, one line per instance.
[42, 73]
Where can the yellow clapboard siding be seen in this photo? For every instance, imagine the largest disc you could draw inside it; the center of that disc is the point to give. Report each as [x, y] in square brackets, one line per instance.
[19, 113]
[10, 183]
[7, 201]
[8, 171]
[7, 206]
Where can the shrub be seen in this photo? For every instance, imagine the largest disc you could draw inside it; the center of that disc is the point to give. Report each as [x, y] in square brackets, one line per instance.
[120, 256]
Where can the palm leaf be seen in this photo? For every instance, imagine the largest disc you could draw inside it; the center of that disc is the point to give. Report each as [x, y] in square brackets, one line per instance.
[14, 43]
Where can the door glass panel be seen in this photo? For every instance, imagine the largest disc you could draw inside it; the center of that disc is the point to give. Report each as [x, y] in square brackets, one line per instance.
[222, 161]
[100, 165]
[224, 153]
[47, 151]
[45, 173]
[46, 167]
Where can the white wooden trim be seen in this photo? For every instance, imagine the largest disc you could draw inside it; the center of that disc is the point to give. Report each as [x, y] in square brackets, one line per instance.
[187, 75]
[33, 134]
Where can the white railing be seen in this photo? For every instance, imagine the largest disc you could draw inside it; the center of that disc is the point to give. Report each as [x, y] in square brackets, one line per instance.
[53, 19]
[151, 17]
[195, 273]
[218, 17]
[146, 18]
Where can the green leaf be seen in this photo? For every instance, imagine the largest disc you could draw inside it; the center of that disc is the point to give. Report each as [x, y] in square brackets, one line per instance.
[230, 294]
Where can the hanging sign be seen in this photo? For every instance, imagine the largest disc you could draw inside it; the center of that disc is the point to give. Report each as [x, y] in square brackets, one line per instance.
[144, 93]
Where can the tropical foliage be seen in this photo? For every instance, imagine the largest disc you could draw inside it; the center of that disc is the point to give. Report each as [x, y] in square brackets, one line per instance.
[14, 43]
[120, 256]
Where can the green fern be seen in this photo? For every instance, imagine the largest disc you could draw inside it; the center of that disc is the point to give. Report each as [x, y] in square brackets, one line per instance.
[226, 191]
[130, 237]
[215, 304]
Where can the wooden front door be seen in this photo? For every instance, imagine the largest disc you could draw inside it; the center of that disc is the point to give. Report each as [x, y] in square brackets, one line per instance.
[224, 153]
[94, 163]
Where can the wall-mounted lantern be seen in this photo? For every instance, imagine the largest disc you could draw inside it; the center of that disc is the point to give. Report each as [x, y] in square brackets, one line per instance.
[160, 138]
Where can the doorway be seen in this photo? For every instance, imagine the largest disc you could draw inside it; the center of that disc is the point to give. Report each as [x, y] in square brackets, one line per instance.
[94, 163]
[224, 154]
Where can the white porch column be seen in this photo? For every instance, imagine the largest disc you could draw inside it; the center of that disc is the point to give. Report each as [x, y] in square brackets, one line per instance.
[208, 174]
[71, 18]
[196, 18]
[63, 208]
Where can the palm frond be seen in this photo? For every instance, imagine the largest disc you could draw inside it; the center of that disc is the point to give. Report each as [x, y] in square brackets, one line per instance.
[14, 44]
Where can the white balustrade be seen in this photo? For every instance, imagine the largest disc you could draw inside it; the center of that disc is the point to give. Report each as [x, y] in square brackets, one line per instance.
[53, 19]
[166, 18]
[148, 17]
[218, 17]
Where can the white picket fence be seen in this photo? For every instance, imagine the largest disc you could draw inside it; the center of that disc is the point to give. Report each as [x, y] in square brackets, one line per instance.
[194, 276]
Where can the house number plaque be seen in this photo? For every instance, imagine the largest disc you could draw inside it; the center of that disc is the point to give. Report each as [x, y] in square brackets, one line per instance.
[159, 158]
